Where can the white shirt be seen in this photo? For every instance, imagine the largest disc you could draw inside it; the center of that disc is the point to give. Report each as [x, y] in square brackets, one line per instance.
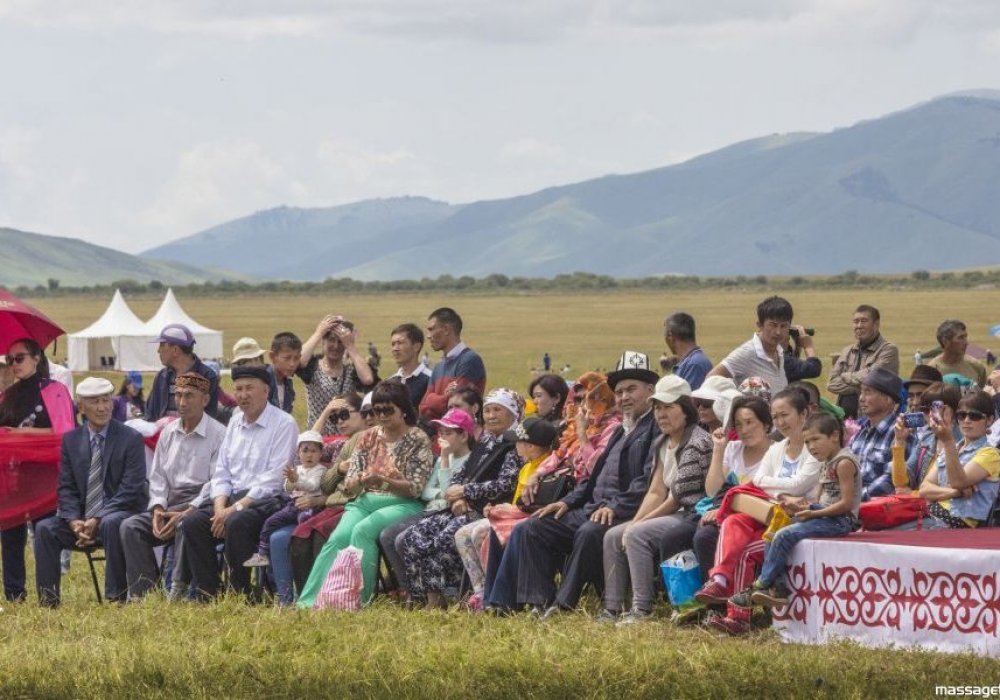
[253, 456]
[751, 360]
[417, 371]
[456, 351]
[804, 480]
[308, 482]
[62, 375]
[184, 461]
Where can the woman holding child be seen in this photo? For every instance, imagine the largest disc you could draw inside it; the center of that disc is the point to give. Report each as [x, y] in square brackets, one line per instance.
[389, 467]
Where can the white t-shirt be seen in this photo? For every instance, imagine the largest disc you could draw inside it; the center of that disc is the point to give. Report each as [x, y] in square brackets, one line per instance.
[751, 360]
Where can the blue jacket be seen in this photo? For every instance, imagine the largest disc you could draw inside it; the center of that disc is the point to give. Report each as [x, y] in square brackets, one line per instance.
[159, 395]
[125, 485]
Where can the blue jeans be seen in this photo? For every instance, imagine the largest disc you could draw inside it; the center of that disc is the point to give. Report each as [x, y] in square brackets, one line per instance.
[281, 564]
[777, 550]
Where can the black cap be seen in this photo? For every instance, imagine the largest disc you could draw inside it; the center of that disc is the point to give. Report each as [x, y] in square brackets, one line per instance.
[883, 380]
[534, 430]
[255, 371]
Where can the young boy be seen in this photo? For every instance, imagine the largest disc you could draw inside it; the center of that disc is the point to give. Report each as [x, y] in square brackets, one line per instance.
[286, 352]
[300, 481]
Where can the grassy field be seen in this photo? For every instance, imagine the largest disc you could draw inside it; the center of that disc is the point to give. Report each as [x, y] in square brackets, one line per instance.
[84, 650]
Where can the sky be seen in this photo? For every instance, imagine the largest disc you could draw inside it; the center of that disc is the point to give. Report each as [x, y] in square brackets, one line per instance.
[131, 123]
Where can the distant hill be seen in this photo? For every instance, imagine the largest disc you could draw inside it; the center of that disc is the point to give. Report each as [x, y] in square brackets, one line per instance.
[916, 189]
[32, 259]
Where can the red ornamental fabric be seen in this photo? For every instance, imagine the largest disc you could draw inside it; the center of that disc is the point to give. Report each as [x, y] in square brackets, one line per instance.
[29, 475]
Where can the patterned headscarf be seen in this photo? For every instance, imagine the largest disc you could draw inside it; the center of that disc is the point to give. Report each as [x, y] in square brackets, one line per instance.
[509, 399]
[599, 401]
[756, 387]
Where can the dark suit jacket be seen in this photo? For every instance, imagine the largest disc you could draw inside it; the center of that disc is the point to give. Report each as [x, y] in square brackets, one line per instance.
[634, 471]
[124, 460]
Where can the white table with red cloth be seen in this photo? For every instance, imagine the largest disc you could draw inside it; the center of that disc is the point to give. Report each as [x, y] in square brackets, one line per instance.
[936, 589]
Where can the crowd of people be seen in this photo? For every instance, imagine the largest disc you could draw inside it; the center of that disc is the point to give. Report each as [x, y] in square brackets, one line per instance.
[441, 491]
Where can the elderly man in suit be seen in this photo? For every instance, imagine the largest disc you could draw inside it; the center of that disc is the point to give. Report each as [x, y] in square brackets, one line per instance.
[573, 528]
[102, 481]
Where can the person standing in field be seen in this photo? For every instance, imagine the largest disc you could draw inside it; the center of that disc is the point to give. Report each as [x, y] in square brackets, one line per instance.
[339, 370]
[763, 355]
[953, 337]
[286, 354]
[693, 364]
[871, 349]
[406, 341]
[176, 352]
[460, 366]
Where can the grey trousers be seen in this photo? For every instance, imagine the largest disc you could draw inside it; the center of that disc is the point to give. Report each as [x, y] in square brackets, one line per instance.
[141, 569]
[636, 558]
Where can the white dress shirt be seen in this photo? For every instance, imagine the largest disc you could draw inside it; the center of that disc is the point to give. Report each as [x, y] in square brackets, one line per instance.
[184, 461]
[254, 455]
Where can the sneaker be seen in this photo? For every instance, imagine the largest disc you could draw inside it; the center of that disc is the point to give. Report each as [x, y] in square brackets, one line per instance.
[744, 599]
[607, 617]
[257, 559]
[634, 616]
[689, 615]
[722, 623]
[712, 593]
[552, 612]
[774, 597]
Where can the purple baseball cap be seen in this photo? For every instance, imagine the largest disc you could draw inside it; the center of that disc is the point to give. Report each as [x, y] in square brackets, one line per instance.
[176, 334]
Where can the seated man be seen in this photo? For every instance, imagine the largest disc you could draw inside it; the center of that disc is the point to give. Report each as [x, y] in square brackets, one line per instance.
[953, 337]
[176, 351]
[102, 481]
[763, 355]
[259, 443]
[878, 401]
[183, 464]
[575, 525]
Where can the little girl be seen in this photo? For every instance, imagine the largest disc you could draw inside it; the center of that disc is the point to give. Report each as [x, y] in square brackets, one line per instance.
[835, 515]
[535, 439]
[302, 480]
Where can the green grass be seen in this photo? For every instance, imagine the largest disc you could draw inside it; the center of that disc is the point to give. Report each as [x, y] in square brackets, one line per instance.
[229, 649]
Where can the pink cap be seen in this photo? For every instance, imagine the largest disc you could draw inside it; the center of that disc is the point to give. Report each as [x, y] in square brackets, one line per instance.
[457, 419]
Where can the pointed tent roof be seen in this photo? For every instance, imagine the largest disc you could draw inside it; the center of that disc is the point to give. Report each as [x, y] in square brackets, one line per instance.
[170, 311]
[118, 319]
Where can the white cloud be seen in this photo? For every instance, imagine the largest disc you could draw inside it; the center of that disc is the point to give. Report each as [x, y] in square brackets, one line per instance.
[500, 20]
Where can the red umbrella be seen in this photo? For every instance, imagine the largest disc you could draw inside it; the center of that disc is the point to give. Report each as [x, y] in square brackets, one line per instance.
[19, 320]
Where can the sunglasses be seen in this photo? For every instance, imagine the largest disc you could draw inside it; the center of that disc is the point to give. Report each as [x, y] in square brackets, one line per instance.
[970, 415]
[343, 414]
[383, 411]
[365, 412]
[18, 358]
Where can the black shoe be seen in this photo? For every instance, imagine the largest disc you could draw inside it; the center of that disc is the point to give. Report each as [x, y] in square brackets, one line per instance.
[774, 597]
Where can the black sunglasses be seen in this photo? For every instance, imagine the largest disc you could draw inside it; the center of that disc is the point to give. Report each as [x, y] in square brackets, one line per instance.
[971, 415]
[343, 414]
[18, 358]
[383, 411]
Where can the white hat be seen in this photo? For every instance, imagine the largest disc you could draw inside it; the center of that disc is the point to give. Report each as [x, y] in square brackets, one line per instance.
[724, 405]
[366, 402]
[713, 388]
[669, 389]
[92, 387]
[247, 349]
[310, 436]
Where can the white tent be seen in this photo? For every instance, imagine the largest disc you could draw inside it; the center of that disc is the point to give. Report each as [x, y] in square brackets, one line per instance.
[117, 340]
[208, 342]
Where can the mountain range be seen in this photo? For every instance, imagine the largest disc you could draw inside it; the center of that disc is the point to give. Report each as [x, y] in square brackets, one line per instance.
[915, 189]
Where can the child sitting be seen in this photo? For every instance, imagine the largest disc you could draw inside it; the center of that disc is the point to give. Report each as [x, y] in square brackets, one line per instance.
[835, 515]
[535, 438]
[300, 481]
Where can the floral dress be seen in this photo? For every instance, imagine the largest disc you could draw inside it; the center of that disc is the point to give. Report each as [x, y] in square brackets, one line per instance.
[428, 547]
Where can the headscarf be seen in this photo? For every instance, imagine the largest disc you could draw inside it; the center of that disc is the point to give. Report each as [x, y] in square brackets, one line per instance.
[509, 399]
[599, 401]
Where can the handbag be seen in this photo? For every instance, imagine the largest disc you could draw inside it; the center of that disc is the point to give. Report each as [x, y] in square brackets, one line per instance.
[343, 583]
[551, 488]
[886, 512]
[681, 577]
[760, 509]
